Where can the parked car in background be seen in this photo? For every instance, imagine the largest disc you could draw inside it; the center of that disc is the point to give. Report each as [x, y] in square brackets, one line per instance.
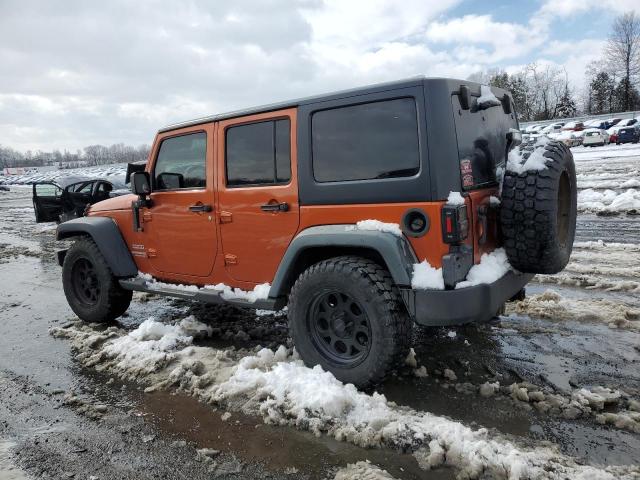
[575, 126]
[600, 124]
[627, 122]
[628, 134]
[613, 134]
[533, 129]
[595, 137]
[568, 137]
[612, 122]
[66, 198]
[553, 128]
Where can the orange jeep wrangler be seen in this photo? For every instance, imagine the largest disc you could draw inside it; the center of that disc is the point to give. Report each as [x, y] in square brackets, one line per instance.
[268, 207]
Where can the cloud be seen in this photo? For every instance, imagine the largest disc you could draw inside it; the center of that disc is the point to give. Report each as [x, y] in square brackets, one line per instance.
[82, 72]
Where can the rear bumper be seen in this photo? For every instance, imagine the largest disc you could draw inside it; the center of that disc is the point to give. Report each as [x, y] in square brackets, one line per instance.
[471, 304]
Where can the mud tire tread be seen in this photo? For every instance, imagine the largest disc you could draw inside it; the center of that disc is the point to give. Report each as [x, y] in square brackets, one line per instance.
[528, 214]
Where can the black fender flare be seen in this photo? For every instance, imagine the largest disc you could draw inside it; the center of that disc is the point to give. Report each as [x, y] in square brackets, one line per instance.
[393, 249]
[106, 234]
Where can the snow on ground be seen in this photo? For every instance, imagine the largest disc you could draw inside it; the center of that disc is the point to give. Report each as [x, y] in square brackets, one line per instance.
[278, 387]
[362, 471]
[613, 267]
[115, 170]
[608, 178]
[554, 306]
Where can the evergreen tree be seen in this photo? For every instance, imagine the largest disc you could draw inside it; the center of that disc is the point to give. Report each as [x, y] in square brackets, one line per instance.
[566, 105]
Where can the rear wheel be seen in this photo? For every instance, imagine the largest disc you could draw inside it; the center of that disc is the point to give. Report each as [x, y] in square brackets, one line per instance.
[92, 291]
[346, 315]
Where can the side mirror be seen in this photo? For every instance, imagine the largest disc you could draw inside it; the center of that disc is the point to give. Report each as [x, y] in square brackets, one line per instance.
[141, 183]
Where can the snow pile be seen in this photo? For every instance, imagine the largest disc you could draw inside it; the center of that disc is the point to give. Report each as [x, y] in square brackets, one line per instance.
[362, 471]
[519, 162]
[609, 201]
[426, 277]
[259, 292]
[596, 397]
[455, 198]
[493, 266]
[487, 98]
[379, 226]
[553, 306]
[278, 387]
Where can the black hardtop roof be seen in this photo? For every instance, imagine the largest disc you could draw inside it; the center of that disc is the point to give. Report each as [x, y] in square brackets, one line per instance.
[408, 82]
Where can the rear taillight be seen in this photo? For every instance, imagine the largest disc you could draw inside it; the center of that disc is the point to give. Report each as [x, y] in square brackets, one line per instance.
[455, 223]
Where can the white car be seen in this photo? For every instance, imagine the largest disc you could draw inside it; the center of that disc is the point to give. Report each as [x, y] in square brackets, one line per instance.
[627, 122]
[594, 137]
[553, 128]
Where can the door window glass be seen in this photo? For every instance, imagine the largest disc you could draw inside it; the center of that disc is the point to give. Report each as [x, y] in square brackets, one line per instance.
[47, 190]
[366, 141]
[258, 153]
[181, 162]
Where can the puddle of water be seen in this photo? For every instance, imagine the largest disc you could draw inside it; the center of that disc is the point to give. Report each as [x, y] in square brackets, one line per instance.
[8, 471]
[279, 448]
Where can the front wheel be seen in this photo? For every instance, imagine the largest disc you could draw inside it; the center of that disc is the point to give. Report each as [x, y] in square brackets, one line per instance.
[346, 315]
[92, 291]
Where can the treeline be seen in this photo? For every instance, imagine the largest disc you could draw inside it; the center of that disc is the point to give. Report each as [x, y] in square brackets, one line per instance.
[543, 91]
[89, 156]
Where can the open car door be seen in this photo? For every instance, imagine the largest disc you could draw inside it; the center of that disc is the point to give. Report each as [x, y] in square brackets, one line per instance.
[75, 198]
[47, 201]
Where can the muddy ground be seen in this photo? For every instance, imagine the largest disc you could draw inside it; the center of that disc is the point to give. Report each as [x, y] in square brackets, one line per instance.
[61, 420]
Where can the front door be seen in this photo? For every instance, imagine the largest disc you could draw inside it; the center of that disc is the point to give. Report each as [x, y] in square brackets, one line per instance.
[258, 192]
[47, 201]
[179, 227]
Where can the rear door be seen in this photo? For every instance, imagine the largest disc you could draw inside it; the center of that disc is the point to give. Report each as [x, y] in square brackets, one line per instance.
[47, 201]
[257, 192]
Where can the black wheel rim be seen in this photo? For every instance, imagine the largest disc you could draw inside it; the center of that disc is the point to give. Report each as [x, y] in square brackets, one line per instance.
[85, 282]
[339, 328]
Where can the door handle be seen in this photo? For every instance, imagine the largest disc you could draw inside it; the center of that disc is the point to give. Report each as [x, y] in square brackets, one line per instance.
[199, 207]
[275, 207]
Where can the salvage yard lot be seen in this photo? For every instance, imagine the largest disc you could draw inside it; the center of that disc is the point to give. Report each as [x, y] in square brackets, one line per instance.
[549, 390]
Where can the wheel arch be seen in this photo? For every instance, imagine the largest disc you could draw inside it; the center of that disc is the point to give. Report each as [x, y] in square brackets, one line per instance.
[322, 242]
[106, 235]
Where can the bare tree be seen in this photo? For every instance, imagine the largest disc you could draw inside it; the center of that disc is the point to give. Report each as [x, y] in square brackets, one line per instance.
[623, 51]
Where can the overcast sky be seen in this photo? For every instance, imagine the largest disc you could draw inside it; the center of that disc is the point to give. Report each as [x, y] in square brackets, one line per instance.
[75, 73]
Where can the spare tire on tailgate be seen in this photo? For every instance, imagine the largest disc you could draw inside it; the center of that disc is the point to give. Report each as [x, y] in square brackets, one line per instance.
[538, 211]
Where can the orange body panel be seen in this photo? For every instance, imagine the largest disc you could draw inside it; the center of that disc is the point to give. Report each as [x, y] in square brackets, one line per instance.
[428, 247]
[254, 241]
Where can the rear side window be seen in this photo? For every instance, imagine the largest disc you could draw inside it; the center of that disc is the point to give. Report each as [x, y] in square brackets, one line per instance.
[181, 162]
[367, 141]
[258, 153]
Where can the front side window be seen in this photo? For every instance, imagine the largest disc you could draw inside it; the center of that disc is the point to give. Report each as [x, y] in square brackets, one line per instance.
[47, 190]
[363, 142]
[258, 153]
[181, 162]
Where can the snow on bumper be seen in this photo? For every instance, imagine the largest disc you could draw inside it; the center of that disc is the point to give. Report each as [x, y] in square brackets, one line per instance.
[463, 305]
